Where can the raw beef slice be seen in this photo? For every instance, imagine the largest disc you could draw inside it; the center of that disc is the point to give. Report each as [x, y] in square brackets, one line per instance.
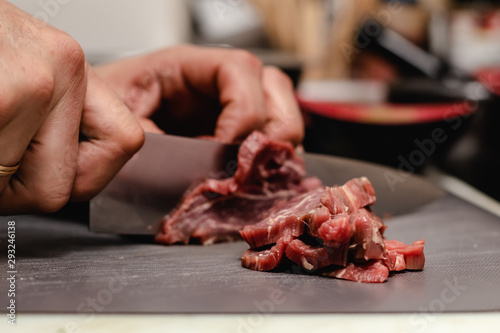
[332, 232]
[287, 217]
[269, 173]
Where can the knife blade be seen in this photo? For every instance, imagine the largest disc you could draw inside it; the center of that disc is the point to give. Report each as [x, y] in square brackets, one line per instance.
[151, 184]
[153, 181]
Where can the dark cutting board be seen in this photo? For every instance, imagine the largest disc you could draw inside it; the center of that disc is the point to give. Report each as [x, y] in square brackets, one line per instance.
[62, 267]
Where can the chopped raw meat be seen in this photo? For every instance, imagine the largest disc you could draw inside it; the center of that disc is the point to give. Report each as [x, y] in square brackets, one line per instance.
[371, 272]
[314, 257]
[268, 174]
[355, 194]
[268, 259]
[413, 255]
[316, 219]
[333, 232]
[288, 218]
[395, 261]
[367, 236]
[336, 231]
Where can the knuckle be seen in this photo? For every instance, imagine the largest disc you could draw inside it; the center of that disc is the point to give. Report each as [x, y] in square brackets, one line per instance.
[294, 129]
[134, 143]
[33, 91]
[278, 76]
[42, 87]
[291, 134]
[252, 116]
[71, 54]
[131, 140]
[247, 58]
[296, 132]
[8, 105]
[297, 136]
[256, 118]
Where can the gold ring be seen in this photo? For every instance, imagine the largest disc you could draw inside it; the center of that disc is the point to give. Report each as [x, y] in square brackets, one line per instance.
[9, 171]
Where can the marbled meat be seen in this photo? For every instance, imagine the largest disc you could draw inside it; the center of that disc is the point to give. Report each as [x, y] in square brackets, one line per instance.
[290, 219]
[330, 231]
[269, 173]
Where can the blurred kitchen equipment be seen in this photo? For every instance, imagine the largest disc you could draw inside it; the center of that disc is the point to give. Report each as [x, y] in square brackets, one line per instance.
[111, 29]
[226, 22]
[403, 135]
[474, 39]
[299, 27]
[323, 31]
[386, 128]
[464, 110]
[475, 156]
[409, 58]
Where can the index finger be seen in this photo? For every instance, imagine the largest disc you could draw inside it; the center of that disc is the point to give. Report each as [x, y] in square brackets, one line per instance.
[113, 133]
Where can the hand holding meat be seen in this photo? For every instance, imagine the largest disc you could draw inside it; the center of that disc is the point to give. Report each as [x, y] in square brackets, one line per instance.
[49, 97]
[205, 91]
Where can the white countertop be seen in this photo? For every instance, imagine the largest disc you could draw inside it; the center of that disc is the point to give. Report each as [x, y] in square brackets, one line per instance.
[259, 323]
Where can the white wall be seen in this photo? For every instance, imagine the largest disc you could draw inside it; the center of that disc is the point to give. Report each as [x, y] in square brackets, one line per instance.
[109, 29]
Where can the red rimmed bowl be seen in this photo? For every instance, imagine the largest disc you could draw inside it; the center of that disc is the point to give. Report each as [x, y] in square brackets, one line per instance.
[405, 136]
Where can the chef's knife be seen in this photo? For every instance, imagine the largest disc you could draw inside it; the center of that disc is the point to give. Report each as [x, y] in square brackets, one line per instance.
[153, 181]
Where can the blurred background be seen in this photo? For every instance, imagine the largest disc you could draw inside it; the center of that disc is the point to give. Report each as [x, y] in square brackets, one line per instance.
[407, 83]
